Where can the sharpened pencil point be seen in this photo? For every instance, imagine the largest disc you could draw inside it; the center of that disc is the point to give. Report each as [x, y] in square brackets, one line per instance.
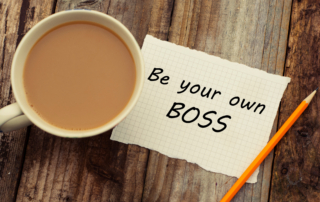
[309, 98]
[317, 89]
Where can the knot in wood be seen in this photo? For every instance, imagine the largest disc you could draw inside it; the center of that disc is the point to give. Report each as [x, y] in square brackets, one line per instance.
[303, 131]
[88, 3]
[284, 171]
[303, 134]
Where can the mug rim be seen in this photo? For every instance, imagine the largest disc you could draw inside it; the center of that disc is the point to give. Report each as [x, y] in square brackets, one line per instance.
[48, 127]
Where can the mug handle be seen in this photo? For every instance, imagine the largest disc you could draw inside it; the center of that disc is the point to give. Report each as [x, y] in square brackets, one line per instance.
[12, 118]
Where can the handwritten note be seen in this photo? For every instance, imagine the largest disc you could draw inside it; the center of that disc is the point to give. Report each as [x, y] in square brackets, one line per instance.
[209, 111]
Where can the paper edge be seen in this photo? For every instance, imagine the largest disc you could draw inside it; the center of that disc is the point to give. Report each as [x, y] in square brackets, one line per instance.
[255, 180]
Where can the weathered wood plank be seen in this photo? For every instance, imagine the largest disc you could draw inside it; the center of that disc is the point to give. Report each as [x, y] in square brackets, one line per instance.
[249, 32]
[93, 169]
[296, 169]
[16, 16]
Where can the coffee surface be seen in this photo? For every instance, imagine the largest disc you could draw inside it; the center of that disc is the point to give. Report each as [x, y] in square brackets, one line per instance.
[79, 76]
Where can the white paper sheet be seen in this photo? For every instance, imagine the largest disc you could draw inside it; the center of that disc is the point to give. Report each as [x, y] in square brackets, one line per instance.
[152, 123]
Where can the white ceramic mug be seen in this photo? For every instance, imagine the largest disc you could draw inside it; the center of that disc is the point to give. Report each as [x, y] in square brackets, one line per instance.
[20, 114]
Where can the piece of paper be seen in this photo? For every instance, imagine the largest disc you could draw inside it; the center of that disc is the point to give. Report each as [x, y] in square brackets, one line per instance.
[195, 106]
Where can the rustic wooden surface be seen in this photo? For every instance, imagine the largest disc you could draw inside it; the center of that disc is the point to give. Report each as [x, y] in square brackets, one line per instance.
[252, 32]
[296, 169]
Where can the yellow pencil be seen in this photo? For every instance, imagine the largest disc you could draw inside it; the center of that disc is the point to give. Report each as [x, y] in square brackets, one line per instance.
[267, 149]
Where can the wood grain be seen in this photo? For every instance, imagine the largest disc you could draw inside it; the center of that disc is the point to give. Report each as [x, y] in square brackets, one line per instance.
[93, 169]
[97, 169]
[16, 17]
[249, 32]
[296, 169]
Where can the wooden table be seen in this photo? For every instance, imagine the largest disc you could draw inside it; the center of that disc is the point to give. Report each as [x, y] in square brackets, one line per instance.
[278, 36]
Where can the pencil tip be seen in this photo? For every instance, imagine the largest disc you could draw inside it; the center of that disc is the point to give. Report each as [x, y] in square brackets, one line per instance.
[309, 98]
[317, 89]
